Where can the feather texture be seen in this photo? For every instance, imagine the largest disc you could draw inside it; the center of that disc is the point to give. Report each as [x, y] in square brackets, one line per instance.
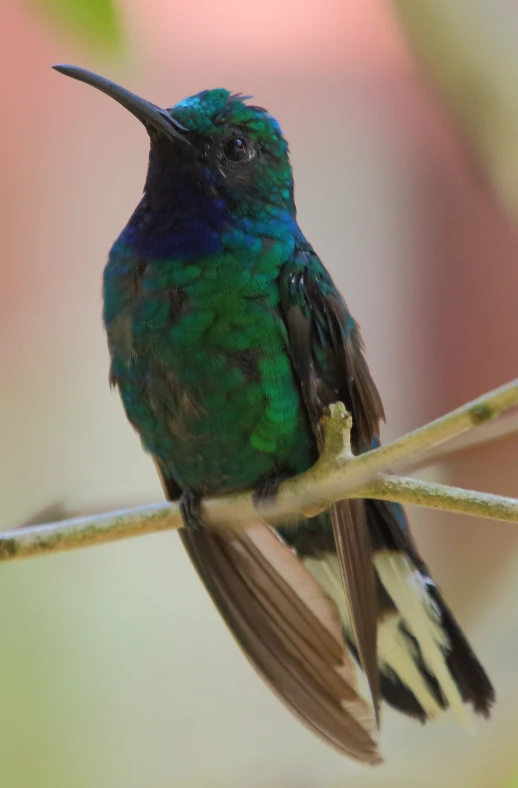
[407, 589]
[228, 338]
[289, 628]
[326, 350]
[359, 582]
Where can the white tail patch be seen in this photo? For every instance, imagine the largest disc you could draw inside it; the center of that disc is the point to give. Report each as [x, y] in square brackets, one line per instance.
[407, 589]
[395, 652]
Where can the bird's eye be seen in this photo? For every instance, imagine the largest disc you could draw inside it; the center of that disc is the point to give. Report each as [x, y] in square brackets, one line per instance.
[237, 149]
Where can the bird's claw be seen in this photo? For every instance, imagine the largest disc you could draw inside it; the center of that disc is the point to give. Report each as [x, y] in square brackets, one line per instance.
[190, 509]
[267, 489]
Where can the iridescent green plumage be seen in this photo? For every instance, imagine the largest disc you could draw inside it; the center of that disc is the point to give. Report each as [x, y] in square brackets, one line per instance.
[212, 322]
[228, 338]
[228, 386]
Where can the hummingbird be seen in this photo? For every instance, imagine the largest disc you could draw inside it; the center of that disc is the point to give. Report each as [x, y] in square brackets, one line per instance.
[228, 340]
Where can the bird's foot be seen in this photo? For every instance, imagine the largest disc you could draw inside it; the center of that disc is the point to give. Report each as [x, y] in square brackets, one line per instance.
[266, 491]
[190, 509]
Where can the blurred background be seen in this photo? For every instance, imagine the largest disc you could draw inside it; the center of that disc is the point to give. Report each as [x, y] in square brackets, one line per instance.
[116, 670]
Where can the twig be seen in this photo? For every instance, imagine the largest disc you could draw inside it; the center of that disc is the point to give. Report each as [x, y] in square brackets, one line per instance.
[413, 448]
[440, 496]
[498, 430]
[336, 475]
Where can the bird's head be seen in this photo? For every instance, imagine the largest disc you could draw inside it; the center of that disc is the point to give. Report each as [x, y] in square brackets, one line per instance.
[215, 141]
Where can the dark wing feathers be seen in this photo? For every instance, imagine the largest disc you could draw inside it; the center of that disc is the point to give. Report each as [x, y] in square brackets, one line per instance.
[287, 626]
[326, 350]
[354, 550]
[276, 610]
[283, 620]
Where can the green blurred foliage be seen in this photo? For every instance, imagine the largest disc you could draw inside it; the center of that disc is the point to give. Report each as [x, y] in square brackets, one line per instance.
[94, 22]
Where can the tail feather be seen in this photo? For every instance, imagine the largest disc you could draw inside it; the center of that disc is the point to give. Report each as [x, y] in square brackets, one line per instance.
[471, 678]
[425, 662]
[289, 629]
[359, 583]
[445, 656]
[401, 664]
[417, 610]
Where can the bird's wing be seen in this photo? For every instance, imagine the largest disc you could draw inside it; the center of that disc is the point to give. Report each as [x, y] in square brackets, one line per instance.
[289, 628]
[426, 662]
[327, 354]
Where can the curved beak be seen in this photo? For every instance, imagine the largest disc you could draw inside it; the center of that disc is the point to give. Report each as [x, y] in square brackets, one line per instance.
[150, 115]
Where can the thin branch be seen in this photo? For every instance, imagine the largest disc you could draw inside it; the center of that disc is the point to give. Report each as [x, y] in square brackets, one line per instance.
[336, 475]
[387, 487]
[498, 430]
[417, 446]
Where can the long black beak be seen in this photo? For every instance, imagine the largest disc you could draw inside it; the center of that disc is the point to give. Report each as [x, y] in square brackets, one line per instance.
[150, 115]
